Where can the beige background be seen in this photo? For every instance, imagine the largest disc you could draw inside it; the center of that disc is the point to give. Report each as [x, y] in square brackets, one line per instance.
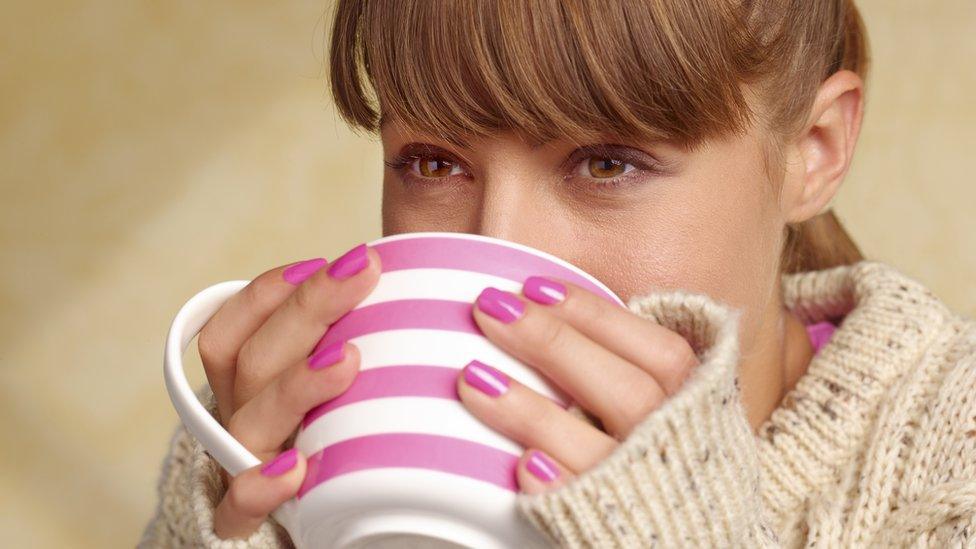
[149, 149]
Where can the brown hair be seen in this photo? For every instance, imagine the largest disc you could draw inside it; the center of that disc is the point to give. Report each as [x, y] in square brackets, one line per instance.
[651, 69]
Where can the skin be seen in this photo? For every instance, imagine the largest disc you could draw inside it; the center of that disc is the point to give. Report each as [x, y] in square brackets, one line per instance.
[709, 220]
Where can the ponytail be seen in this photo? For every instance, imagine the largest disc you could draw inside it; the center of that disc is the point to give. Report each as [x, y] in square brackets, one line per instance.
[822, 242]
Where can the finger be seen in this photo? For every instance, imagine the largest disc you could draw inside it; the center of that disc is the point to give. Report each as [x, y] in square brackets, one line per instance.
[602, 382]
[266, 421]
[530, 418]
[660, 352]
[293, 330]
[222, 337]
[256, 493]
[538, 472]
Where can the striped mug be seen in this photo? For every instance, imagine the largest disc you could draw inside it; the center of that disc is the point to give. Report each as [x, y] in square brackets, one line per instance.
[397, 460]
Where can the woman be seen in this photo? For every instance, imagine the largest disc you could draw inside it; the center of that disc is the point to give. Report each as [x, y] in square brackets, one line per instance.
[766, 386]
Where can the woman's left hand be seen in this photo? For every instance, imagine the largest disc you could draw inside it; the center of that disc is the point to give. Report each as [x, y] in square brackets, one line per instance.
[613, 363]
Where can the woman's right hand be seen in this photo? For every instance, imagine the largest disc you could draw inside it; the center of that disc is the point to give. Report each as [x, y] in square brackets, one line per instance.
[255, 351]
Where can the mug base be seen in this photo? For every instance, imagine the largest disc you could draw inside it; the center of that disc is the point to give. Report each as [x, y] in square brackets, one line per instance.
[410, 530]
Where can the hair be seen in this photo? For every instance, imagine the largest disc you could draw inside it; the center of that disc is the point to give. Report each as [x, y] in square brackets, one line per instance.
[677, 70]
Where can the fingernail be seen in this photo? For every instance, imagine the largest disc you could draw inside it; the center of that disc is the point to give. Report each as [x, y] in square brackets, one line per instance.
[282, 463]
[542, 467]
[350, 263]
[331, 354]
[542, 290]
[504, 306]
[297, 273]
[486, 379]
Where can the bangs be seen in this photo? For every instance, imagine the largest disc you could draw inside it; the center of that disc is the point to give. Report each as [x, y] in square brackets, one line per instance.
[574, 70]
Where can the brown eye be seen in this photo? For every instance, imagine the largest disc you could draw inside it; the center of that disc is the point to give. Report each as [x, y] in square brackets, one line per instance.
[605, 167]
[432, 166]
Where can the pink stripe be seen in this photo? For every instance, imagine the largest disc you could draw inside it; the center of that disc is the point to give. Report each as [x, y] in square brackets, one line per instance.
[435, 452]
[435, 314]
[476, 256]
[392, 381]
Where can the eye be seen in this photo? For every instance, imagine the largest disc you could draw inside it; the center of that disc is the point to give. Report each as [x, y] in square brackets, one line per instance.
[604, 167]
[435, 166]
[423, 164]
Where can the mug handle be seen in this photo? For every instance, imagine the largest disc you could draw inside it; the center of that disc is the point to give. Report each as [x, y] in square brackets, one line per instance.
[190, 319]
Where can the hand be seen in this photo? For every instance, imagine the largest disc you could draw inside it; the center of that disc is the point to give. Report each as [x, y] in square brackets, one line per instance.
[255, 351]
[615, 364]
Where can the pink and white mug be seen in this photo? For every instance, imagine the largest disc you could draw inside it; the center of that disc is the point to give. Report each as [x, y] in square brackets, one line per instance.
[397, 460]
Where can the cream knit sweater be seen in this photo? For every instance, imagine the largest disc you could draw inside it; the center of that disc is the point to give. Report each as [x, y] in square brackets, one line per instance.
[875, 446]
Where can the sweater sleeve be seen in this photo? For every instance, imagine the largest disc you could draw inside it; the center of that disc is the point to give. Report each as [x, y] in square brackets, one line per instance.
[688, 474]
[188, 491]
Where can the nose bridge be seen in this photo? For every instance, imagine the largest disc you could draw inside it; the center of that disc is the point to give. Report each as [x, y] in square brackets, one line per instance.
[505, 206]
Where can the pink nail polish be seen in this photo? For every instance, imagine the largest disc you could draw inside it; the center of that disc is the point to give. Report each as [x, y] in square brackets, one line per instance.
[282, 463]
[542, 467]
[350, 263]
[543, 290]
[486, 379]
[297, 273]
[331, 354]
[504, 306]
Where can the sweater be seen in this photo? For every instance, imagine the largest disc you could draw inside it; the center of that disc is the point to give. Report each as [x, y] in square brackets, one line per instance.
[875, 445]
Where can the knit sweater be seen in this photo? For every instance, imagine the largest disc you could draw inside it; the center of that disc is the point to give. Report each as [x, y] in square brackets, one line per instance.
[874, 446]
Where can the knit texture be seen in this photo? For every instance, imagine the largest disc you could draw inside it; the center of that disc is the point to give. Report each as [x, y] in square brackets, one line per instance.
[874, 446]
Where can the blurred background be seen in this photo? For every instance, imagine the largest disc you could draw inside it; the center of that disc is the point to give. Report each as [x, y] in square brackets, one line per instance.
[151, 149]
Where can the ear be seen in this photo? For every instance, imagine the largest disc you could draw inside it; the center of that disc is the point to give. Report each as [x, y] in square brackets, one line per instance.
[821, 153]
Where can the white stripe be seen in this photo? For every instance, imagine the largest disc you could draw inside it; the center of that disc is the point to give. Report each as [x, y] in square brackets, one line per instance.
[435, 416]
[385, 492]
[446, 348]
[450, 284]
[504, 243]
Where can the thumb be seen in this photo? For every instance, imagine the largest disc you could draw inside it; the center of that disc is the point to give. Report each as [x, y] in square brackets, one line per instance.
[254, 494]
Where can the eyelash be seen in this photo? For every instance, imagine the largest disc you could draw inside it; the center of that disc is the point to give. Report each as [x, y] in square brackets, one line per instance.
[402, 161]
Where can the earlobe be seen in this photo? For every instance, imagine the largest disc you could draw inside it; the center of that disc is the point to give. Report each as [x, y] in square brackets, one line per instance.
[826, 144]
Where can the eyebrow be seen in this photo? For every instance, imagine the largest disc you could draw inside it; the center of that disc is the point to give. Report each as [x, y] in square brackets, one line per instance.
[384, 119]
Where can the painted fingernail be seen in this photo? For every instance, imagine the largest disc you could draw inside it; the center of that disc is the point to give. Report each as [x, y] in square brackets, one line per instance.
[543, 290]
[542, 467]
[282, 463]
[350, 263]
[504, 306]
[297, 273]
[486, 379]
[331, 354]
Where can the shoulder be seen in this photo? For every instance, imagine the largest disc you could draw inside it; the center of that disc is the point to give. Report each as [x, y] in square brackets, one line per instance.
[932, 456]
[950, 395]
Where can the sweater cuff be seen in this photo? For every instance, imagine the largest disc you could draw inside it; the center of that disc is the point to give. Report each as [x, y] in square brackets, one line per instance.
[190, 489]
[207, 490]
[688, 474]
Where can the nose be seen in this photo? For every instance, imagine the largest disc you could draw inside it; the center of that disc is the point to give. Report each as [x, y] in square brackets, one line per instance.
[512, 209]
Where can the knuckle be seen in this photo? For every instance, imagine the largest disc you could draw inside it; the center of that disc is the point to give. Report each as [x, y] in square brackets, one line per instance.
[306, 297]
[585, 305]
[526, 421]
[259, 294]
[676, 352]
[553, 333]
[235, 425]
[291, 393]
[241, 501]
[634, 401]
[210, 347]
[245, 357]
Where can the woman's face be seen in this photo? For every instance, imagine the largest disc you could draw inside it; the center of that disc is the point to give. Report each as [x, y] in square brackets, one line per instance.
[638, 216]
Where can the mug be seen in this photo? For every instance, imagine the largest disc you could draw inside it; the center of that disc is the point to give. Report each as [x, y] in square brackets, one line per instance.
[397, 460]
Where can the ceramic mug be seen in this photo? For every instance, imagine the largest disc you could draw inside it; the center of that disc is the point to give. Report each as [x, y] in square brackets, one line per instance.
[397, 460]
